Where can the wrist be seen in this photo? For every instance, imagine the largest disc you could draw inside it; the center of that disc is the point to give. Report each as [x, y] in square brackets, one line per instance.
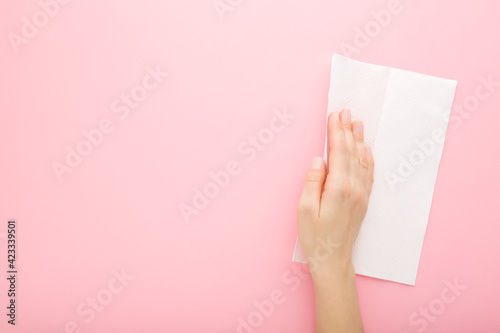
[329, 274]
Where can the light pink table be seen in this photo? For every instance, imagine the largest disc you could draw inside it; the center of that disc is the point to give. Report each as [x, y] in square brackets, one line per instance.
[117, 211]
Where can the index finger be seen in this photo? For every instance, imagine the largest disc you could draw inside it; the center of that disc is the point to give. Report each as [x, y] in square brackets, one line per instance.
[338, 162]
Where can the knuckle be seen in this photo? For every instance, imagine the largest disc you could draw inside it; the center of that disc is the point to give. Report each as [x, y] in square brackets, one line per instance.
[305, 208]
[363, 163]
[357, 194]
[345, 188]
[341, 147]
[340, 186]
[314, 176]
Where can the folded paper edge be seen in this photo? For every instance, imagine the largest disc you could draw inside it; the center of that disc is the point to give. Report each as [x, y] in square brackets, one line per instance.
[336, 55]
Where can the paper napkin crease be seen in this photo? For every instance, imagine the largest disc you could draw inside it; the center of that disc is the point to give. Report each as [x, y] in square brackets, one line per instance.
[405, 116]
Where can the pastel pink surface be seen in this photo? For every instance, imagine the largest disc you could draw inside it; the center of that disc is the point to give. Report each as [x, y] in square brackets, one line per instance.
[119, 208]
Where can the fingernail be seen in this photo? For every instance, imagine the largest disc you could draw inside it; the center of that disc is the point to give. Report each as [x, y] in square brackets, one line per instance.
[346, 115]
[336, 115]
[368, 151]
[317, 163]
[358, 127]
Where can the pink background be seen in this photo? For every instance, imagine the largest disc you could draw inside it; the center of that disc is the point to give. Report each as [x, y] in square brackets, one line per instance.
[119, 208]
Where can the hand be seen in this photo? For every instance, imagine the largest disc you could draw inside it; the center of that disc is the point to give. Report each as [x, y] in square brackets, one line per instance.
[329, 215]
[330, 212]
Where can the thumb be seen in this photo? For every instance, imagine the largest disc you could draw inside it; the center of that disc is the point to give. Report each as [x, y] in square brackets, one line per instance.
[311, 194]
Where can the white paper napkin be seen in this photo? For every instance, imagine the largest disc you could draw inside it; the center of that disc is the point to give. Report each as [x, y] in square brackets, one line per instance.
[405, 115]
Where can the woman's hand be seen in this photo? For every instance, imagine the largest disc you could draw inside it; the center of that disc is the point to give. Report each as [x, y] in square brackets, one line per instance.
[329, 215]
